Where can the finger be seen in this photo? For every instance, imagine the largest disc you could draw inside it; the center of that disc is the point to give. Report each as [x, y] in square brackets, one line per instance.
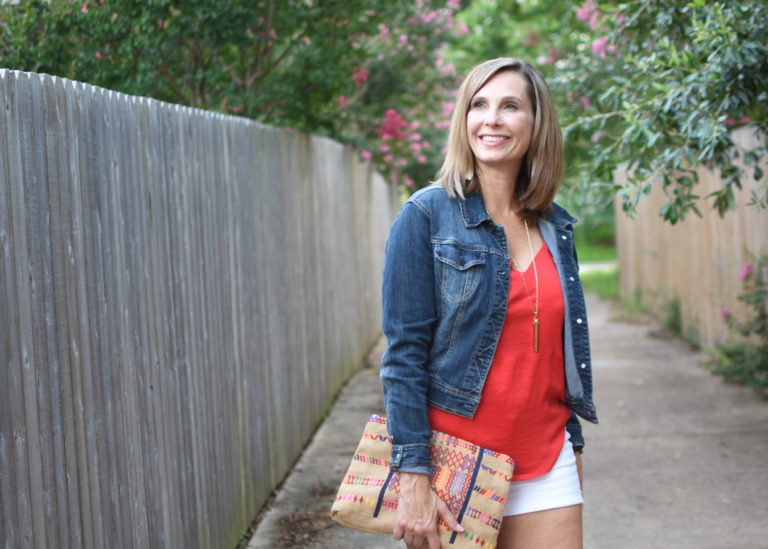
[433, 539]
[421, 534]
[398, 531]
[413, 541]
[448, 518]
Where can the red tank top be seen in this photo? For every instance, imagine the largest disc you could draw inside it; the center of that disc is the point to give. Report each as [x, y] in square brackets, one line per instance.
[522, 410]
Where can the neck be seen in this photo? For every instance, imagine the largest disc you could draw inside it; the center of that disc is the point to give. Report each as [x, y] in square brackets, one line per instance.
[498, 190]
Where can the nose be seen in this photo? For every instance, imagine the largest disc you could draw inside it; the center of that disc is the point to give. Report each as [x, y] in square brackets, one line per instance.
[492, 117]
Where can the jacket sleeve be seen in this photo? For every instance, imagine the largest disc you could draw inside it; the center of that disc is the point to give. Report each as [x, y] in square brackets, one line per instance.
[408, 318]
[574, 429]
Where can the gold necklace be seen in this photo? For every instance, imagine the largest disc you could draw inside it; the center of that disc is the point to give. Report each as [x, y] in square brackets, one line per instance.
[535, 310]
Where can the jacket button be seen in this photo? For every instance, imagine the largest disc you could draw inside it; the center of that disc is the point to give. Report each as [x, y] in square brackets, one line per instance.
[578, 321]
[461, 262]
[583, 365]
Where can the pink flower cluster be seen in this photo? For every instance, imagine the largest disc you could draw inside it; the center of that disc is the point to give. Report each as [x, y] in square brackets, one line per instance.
[442, 66]
[84, 7]
[588, 12]
[440, 20]
[730, 122]
[600, 46]
[549, 59]
[398, 143]
[725, 312]
[393, 126]
[401, 140]
[747, 270]
[361, 76]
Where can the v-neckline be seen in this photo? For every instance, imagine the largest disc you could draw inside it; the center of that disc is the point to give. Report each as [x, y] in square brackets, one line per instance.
[527, 268]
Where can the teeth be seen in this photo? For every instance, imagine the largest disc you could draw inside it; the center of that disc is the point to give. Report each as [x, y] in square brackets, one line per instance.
[492, 138]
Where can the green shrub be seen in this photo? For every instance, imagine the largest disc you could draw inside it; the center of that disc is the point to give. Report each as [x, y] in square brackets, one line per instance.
[671, 316]
[744, 357]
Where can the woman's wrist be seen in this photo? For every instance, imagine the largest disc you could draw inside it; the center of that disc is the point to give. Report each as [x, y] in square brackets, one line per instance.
[413, 480]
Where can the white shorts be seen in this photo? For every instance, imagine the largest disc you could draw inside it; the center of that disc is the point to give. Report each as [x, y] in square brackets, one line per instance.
[558, 488]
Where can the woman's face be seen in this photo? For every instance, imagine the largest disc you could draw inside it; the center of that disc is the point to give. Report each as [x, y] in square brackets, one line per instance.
[500, 121]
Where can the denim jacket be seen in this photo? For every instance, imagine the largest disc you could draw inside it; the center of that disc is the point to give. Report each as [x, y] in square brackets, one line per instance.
[446, 283]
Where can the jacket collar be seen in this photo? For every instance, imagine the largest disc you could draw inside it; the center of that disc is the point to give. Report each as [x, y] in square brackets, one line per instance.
[559, 216]
[474, 213]
[473, 210]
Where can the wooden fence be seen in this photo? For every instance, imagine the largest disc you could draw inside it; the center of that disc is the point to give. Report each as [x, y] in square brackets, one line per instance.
[691, 269]
[181, 295]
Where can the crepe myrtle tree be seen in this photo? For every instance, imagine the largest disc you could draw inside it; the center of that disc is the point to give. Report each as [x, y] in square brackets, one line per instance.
[366, 72]
[660, 85]
[657, 85]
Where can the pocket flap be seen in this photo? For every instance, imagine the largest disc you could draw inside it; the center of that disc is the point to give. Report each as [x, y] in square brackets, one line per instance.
[458, 257]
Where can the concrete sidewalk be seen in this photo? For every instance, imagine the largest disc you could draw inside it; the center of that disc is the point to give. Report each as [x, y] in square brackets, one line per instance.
[679, 460]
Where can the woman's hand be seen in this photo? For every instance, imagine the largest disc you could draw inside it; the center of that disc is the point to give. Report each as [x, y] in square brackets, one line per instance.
[418, 509]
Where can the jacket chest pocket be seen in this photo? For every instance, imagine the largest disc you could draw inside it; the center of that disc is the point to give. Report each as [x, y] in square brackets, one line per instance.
[459, 270]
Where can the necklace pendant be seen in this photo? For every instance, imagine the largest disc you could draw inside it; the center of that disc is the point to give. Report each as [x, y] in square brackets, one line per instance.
[536, 334]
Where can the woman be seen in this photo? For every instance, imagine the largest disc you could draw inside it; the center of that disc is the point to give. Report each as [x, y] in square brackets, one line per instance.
[485, 316]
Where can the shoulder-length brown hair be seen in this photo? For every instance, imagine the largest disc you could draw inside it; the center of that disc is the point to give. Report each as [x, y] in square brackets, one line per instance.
[539, 179]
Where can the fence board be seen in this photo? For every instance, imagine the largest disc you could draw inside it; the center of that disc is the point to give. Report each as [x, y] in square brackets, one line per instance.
[66, 485]
[695, 262]
[181, 295]
[74, 326]
[9, 377]
[23, 204]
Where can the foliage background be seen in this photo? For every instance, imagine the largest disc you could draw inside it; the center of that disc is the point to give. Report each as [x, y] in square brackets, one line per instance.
[655, 84]
[365, 72]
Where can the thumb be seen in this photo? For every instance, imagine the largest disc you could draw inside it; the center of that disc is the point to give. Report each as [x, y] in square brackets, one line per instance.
[445, 514]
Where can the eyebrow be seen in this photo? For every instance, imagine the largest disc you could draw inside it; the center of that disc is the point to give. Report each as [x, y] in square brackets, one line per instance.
[505, 98]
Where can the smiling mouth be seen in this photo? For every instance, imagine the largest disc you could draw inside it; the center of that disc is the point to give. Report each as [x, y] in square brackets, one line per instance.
[492, 138]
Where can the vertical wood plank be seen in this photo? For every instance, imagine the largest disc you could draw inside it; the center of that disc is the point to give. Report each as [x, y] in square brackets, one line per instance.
[124, 160]
[104, 371]
[60, 389]
[162, 361]
[45, 365]
[77, 321]
[174, 316]
[11, 406]
[88, 225]
[69, 472]
[696, 261]
[141, 197]
[23, 202]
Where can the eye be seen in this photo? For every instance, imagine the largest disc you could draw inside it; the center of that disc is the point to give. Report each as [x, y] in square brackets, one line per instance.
[511, 106]
[477, 104]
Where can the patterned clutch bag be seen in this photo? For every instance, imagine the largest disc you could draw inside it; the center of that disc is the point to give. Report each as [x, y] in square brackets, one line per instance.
[472, 481]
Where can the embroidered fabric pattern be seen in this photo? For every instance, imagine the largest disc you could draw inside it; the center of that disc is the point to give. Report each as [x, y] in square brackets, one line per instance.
[473, 482]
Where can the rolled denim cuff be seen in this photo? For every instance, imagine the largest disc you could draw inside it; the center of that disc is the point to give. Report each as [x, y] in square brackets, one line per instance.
[574, 429]
[411, 458]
